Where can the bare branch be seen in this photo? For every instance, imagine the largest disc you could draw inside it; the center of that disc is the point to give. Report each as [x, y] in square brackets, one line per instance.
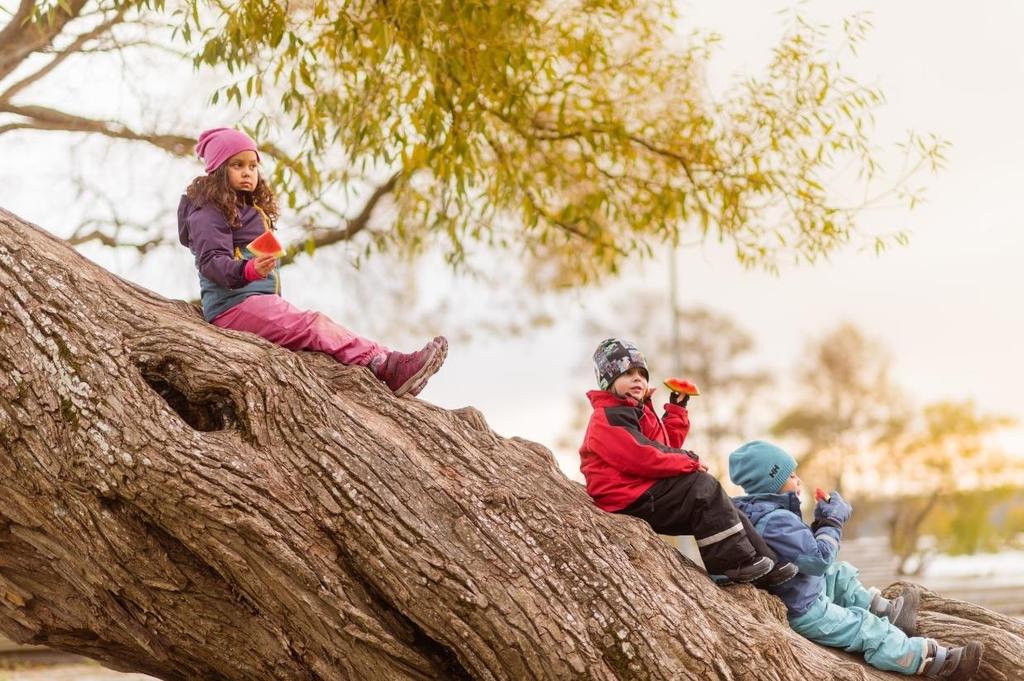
[92, 231]
[11, 127]
[116, 46]
[112, 241]
[76, 46]
[20, 40]
[327, 237]
[45, 118]
[110, 231]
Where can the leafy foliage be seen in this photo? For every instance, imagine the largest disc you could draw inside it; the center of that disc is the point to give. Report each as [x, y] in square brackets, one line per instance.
[578, 132]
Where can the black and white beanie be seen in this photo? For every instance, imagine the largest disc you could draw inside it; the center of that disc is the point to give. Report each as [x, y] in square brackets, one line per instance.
[615, 357]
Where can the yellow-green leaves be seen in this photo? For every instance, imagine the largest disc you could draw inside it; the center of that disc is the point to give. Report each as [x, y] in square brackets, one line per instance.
[581, 126]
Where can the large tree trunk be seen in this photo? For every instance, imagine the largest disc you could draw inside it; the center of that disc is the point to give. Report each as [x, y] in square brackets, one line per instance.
[200, 504]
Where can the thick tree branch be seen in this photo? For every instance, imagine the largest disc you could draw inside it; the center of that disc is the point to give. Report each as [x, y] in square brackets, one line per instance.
[197, 503]
[20, 38]
[15, 28]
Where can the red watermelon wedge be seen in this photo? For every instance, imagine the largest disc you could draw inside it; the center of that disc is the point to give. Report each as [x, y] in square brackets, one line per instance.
[266, 244]
[821, 495]
[678, 385]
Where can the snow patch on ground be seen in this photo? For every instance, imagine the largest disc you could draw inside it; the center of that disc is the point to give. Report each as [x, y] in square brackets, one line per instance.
[1006, 567]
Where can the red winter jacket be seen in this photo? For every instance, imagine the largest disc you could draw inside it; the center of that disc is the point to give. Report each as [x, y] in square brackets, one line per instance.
[627, 448]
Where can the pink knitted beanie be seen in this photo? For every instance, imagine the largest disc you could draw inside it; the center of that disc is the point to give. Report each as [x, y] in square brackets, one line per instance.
[217, 145]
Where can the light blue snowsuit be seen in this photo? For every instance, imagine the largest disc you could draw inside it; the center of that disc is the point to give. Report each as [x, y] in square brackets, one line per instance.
[826, 602]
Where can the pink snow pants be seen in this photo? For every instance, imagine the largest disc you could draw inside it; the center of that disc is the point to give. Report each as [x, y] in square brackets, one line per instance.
[274, 318]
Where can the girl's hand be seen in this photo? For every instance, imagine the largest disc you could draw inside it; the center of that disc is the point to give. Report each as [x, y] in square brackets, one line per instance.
[265, 264]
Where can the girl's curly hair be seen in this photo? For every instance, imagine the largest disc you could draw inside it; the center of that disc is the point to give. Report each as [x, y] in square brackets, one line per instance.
[214, 190]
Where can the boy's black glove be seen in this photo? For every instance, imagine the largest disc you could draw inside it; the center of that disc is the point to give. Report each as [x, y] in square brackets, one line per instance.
[825, 522]
[678, 399]
[831, 512]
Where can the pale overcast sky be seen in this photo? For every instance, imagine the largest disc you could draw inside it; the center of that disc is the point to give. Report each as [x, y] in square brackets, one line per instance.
[947, 306]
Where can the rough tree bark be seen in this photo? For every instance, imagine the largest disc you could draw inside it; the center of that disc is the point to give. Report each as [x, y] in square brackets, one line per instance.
[200, 504]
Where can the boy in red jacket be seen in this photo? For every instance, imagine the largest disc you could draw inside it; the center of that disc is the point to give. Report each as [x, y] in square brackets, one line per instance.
[634, 464]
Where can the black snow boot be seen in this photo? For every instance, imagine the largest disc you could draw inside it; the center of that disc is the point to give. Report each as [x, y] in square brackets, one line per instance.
[748, 572]
[780, 574]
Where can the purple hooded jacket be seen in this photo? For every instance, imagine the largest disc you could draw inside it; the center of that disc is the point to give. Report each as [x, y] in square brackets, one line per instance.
[221, 253]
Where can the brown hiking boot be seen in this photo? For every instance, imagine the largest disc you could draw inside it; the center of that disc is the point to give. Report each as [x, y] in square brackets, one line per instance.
[402, 372]
[900, 611]
[904, 611]
[952, 664]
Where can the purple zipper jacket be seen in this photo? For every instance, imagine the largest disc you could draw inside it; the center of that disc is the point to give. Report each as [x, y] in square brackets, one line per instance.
[221, 253]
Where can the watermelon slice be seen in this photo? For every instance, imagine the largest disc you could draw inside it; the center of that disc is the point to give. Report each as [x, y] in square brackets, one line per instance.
[678, 385]
[820, 494]
[266, 244]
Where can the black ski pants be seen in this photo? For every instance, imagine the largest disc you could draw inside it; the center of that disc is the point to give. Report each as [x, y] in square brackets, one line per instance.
[696, 504]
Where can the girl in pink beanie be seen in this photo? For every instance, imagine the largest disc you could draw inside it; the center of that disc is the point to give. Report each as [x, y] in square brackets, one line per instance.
[223, 212]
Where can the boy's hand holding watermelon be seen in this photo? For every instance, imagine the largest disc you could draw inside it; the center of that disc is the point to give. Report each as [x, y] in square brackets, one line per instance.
[678, 387]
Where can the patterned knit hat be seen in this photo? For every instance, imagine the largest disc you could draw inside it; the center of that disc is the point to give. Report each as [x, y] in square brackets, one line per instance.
[615, 357]
[760, 467]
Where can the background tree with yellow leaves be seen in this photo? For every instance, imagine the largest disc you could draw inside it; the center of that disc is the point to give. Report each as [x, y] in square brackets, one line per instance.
[848, 403]
[940, 454]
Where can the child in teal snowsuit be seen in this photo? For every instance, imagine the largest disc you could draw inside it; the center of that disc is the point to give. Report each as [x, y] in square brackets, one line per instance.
[826, 602]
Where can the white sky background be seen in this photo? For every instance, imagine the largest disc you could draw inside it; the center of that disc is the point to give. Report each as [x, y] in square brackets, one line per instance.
[947, 306]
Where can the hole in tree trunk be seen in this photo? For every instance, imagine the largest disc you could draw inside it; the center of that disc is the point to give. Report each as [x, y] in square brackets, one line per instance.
[209, 411]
